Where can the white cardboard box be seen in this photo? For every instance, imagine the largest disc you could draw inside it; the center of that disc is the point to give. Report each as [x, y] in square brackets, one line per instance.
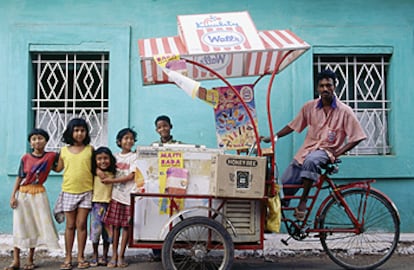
[238, 176]
[217, 32]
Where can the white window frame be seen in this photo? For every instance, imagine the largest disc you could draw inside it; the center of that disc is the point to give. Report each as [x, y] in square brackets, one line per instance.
[362, 85]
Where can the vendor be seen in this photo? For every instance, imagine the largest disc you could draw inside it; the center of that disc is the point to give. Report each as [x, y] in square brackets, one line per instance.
[163, 127]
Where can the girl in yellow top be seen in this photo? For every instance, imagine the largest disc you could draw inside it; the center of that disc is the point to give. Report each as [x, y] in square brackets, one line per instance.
[103, 162]
[76, 195]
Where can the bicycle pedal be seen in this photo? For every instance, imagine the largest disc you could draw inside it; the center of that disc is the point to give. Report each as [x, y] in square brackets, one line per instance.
[285, 241]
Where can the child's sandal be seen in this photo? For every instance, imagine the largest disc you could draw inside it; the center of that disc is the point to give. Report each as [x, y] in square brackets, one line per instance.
[112, 264]
[93, 263]
[12, 267]
[83, 265]
[102, 261]
[65, 266]
[29, 266]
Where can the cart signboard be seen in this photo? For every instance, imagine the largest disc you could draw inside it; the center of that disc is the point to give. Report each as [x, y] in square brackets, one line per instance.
[227, 43]
[219, 32]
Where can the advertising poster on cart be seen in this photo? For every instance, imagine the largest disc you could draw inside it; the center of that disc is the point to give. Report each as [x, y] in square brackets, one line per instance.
[234, 128]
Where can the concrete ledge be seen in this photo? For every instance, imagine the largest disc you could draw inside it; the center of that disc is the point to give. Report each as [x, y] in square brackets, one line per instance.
[272, 247]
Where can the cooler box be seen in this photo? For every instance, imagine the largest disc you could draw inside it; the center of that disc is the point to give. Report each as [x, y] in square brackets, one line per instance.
[186, 170]
[238, 176]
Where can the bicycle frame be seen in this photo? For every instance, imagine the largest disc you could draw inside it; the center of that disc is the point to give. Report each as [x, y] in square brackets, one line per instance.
[325, 182]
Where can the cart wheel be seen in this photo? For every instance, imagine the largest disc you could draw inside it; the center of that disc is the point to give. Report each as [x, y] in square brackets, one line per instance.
[198, 243]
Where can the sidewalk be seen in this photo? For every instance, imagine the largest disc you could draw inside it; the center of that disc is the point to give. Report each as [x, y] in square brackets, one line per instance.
[272, 247]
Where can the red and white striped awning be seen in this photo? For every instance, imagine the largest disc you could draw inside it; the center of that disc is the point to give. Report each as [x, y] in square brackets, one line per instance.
[236, 61]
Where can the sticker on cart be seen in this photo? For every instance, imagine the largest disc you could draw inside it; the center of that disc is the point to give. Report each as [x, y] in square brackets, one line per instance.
[141, 175]
[168, 162]
[210, 96]
[177, 181]
[243, 180]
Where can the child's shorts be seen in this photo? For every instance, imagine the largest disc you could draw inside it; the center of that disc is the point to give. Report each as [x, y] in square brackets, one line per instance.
[99, 228]
[72, 202]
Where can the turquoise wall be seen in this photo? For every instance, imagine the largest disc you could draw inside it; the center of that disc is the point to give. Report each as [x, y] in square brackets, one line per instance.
[115, 26]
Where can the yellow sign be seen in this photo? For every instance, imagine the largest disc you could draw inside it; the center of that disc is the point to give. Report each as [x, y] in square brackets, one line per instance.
[167, 160]
[163, 59]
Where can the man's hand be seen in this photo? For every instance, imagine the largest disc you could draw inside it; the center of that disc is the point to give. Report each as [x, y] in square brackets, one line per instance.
[265, 139]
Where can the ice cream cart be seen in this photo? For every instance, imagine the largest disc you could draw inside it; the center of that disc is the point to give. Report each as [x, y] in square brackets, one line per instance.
[200, 204]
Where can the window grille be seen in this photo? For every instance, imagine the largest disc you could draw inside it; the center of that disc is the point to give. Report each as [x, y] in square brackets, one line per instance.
[361, 84]
[68, 85]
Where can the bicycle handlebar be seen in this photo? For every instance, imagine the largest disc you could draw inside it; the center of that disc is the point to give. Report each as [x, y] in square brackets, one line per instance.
[332, 168]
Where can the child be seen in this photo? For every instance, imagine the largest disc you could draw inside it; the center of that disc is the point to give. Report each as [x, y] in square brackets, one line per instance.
[163, 127]
[103, 162]
[76, 195]
[33, 225]
[118, 213]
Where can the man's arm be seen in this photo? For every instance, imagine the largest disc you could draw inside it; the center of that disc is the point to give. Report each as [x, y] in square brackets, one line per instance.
[283, 132]
[354, 133]
[346, 148]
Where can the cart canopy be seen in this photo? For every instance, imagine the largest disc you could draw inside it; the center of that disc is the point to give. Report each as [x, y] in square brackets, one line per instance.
[228, 43]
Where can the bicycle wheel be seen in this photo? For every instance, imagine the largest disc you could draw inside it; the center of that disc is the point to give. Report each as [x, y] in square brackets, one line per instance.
[378, 239]
[198, 243]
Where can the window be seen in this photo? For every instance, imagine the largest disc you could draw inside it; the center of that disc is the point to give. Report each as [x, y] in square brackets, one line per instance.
[68, 85]
[362, 85]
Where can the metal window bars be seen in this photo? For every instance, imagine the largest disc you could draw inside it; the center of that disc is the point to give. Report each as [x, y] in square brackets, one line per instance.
[362, 85]
[68, 85]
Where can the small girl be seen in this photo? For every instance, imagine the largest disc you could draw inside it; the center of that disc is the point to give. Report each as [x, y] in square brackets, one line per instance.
[118, 213]
[76, 195]
[33, 225]
[103, 163]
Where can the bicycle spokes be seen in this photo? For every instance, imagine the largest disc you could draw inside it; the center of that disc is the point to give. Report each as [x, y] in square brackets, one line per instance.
[364, 243]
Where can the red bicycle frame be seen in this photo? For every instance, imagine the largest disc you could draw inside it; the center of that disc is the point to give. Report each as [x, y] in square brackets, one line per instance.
[336, 193]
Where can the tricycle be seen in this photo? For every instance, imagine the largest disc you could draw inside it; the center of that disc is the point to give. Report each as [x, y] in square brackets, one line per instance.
[199, 227]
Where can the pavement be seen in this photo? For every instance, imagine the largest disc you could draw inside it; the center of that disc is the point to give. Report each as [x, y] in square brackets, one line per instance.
[51, 259]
